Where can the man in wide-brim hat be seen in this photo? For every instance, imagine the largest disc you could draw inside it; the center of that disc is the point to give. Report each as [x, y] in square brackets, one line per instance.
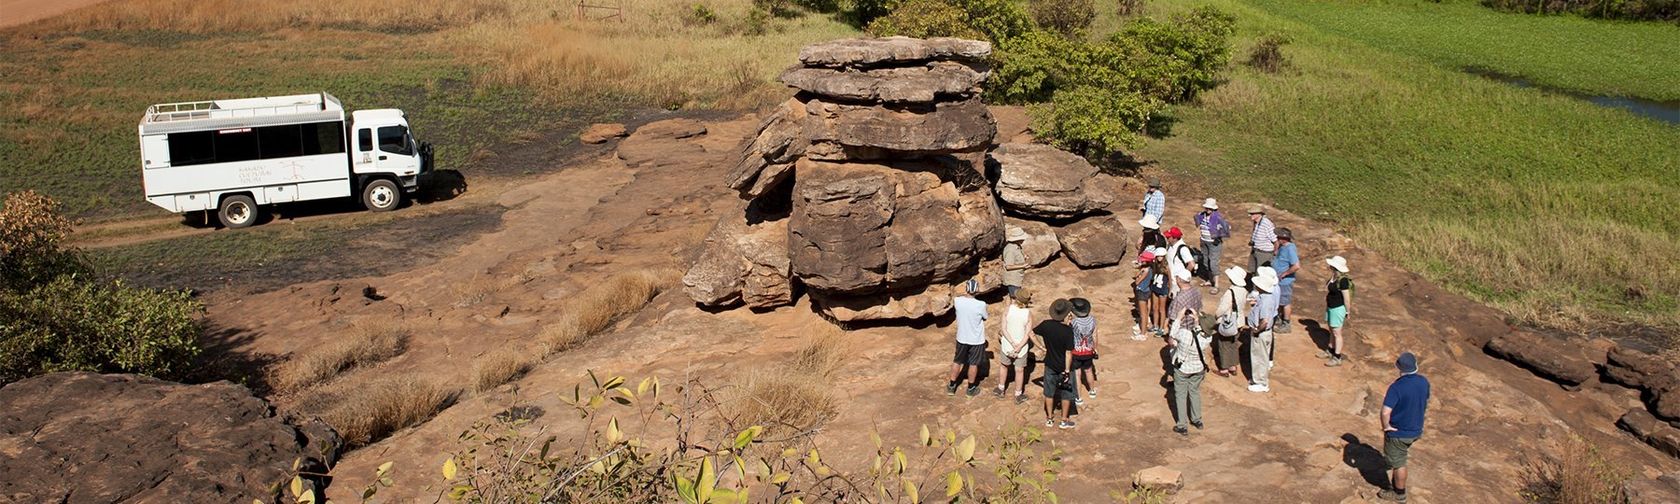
[1260, 316]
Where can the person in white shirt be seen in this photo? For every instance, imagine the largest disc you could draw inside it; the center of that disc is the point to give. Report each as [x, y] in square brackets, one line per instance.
[1179, 258]
[1015, 345]
[971, 339]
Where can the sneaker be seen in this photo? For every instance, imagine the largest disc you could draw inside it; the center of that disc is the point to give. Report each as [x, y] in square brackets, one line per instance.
[1181, 430]
[1092, 393]
[1079, 401]
[951, 389]
[1197, 425]
[974, 390]
[1325, 354]
[1259, 388]
[998, 392]
[1049, 422]
[1390, 495]
[1333, 362]
[1066, 424]
[1020, 398]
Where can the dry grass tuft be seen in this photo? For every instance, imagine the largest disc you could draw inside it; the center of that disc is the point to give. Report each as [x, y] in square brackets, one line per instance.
[370, 343]
[794, 396]
[1578, 475]
[500, 367]
[370, 412]
[598, 306]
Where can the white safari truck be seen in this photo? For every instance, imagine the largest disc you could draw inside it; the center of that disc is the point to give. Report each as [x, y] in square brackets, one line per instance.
[235, 156]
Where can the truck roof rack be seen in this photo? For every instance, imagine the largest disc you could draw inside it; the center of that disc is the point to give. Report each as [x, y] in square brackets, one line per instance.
[241, 108]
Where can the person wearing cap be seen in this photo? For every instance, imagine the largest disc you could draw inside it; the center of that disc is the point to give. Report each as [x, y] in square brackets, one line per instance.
[1230, 312]
[1214, 230]
[1402, 422]
[1338, 299]
[1179, 258]
[1189, 365]
[1286, 262]
[1014, 259]
[1263, 241]
[971, 339]
[1084, 349]
[1015, 345]
[1154, 201]
[1260, 315]
[1058, 351]
[1151, 233]
[1144, 294]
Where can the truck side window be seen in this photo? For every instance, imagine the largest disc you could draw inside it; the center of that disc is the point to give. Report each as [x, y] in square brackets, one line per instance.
[364, 139]
[394, 139]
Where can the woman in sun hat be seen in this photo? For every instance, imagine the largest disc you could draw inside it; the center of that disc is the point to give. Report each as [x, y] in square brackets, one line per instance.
[1230, 322]
[1338, 300]
[1151, 233]
[1214, 230]
[1142, 292]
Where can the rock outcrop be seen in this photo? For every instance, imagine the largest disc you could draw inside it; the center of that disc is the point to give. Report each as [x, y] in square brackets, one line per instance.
[1647, 428]
[879, 161]
[601, 132]
[1095, 241]
[742, 262]
[656, 144]
[1555, 360]
[1041, 244]
[84, 437]
[1160, 479]
[1038, 180]
[1663, 489]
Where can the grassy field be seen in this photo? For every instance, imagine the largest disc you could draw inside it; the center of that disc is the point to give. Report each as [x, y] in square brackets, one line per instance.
[1554, 209]
[472, 74]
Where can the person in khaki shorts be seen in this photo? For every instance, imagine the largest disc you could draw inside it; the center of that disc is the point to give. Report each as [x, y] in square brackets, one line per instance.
[1015, 345]
[1402, 421]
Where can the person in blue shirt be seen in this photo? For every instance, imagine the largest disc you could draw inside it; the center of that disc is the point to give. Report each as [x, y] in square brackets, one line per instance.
[1402, 422]
[1287, 262]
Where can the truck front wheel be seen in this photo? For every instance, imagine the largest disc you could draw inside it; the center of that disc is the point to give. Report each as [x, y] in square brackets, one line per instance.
[381, 195]
[237, 211]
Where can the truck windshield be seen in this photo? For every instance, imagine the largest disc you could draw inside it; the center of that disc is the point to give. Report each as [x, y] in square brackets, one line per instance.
[395, 140]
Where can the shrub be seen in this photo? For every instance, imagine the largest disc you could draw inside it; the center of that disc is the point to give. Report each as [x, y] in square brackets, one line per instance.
[598, 306]
[998, 19]
[924, 19]
[1640, 10]
[1068, 17]
[74, 324]
[864, 12]
[369, 344]
[1178, 60]
[1127, 7]
[1094, 122]
[498, 368]
[31, 231]
[1267, 55]
[372, 411]
[699, 14]
[1578, 475]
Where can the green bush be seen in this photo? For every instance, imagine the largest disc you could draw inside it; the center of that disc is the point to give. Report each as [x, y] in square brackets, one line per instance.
[1068, 17]
[1639, 10]
[923, 19]
[1178, 60]
[699, 14]
[1094, 122]
[55, 316]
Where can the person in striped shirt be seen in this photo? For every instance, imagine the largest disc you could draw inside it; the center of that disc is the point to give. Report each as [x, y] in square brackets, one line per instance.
[1154, 201]
[1263, 242]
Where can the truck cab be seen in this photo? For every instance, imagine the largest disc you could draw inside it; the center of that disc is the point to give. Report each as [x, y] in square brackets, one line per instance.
[383, 148]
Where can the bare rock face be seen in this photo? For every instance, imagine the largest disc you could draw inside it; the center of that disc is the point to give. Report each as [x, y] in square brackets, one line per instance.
[1660, 490]
[1641, 370]
[863, 131]
[1159, 478]
[1041, 245]
[891, 51]
[933, 301]
[1095, 241]
[601, 132]
[1659, 435]
[662, 143]
[84, 437]
[1552, 359]
[1042, 181]
[921, 83]
[765, 160]
[671, 129]
[742, 262]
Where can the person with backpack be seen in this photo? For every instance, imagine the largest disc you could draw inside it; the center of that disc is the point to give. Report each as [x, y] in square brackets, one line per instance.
[1188, 360]
[1151, 234]
[1226, 346]
[1084, 349]
[1338, 300]
[1144, 295]
[1180, 257]
[1160, 286]
[1214, 230]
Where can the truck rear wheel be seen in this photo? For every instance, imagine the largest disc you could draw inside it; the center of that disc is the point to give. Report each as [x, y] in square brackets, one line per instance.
[237, 211]
[381, 195]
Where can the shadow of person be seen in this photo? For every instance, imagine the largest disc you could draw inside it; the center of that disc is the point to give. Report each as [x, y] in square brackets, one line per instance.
[1245, 344]
[1319, 333]
[1365, 458]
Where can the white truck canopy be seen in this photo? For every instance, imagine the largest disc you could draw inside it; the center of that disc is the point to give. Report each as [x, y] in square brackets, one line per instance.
[240, 113]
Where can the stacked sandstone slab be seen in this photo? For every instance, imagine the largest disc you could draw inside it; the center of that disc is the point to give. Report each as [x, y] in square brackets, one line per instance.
[867, 188]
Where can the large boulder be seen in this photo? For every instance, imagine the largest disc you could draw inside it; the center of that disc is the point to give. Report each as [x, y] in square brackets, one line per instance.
[742, 262]
[1654, 432]
[1553, 359]
[84, 437]
[921, 83]
[1039, 180]
[891, 51]
[842, 131]
[1095, 241]
[932, 301]
[1041, 245]
[863, 228]
[766, 159]
[1641, 370]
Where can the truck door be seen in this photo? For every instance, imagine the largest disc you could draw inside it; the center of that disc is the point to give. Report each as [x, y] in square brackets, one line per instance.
[395, 152]
[364, 151]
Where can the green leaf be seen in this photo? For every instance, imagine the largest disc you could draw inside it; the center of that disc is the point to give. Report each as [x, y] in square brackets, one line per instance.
[780, 478]
[459, 492]
[367, 493]
[725, 496]
[953, 484]
[384, 469]
[685, 489]
[613, 434]
[746, 437]
[1051, 496]
[449, 469]
[297, 487]
[965, 450]
[875, 437]
[643, 387]
[308, 497]
[910, 492]
[708, 481]
[614, 382]
[927, 439]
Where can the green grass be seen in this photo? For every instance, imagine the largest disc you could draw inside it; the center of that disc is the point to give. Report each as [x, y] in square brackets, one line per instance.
[1556, 210]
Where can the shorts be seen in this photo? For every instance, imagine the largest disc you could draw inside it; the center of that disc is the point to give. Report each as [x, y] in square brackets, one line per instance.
[1053, 388]
[1015, 362]
[1084, 362]
[1142, 290]
[1162, 290]
[1395, 450]
[972, 355]
[1286, 293]
[1336, 316]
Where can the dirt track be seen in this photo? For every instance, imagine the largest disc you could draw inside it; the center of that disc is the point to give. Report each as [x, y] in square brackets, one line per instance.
[1310, 440]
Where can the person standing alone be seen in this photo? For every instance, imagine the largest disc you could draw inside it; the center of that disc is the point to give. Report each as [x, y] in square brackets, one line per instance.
[1402, 422]
[971, 340]
[1338, 300]
[1262, 243]
[1214, 231]
[1014, 259]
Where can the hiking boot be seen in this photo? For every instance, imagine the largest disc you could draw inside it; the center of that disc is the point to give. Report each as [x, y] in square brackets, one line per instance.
[951, 389]
[1196, 424]
[1049, 422]
[1092, 393]
[998, 392]
[1333, 362]
[1181, 430]
[1066, 424]
[974, 390]
[1020, 398]
[1390, 495]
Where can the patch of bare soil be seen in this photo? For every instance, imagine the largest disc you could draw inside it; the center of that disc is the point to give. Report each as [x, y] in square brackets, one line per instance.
[1314, 438]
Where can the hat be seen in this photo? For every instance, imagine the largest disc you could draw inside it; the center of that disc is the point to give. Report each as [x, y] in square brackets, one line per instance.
[1160, 252]
[1060, 308]
[1155, 182]
[1081, 306]
[1237, 274]
[1175, 233]
[1182, 275]
[1407, 363]
[1150, 222]
[1338, 262]
[1256, 209]
[1210, 204]
[972, 286]
[1284, 233]
[1146, 256]
[1022, 296]
[1266, 271]
[1266, 283]
[1015, 234]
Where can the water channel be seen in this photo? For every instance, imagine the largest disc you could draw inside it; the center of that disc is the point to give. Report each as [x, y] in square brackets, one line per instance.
[1667, 112]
